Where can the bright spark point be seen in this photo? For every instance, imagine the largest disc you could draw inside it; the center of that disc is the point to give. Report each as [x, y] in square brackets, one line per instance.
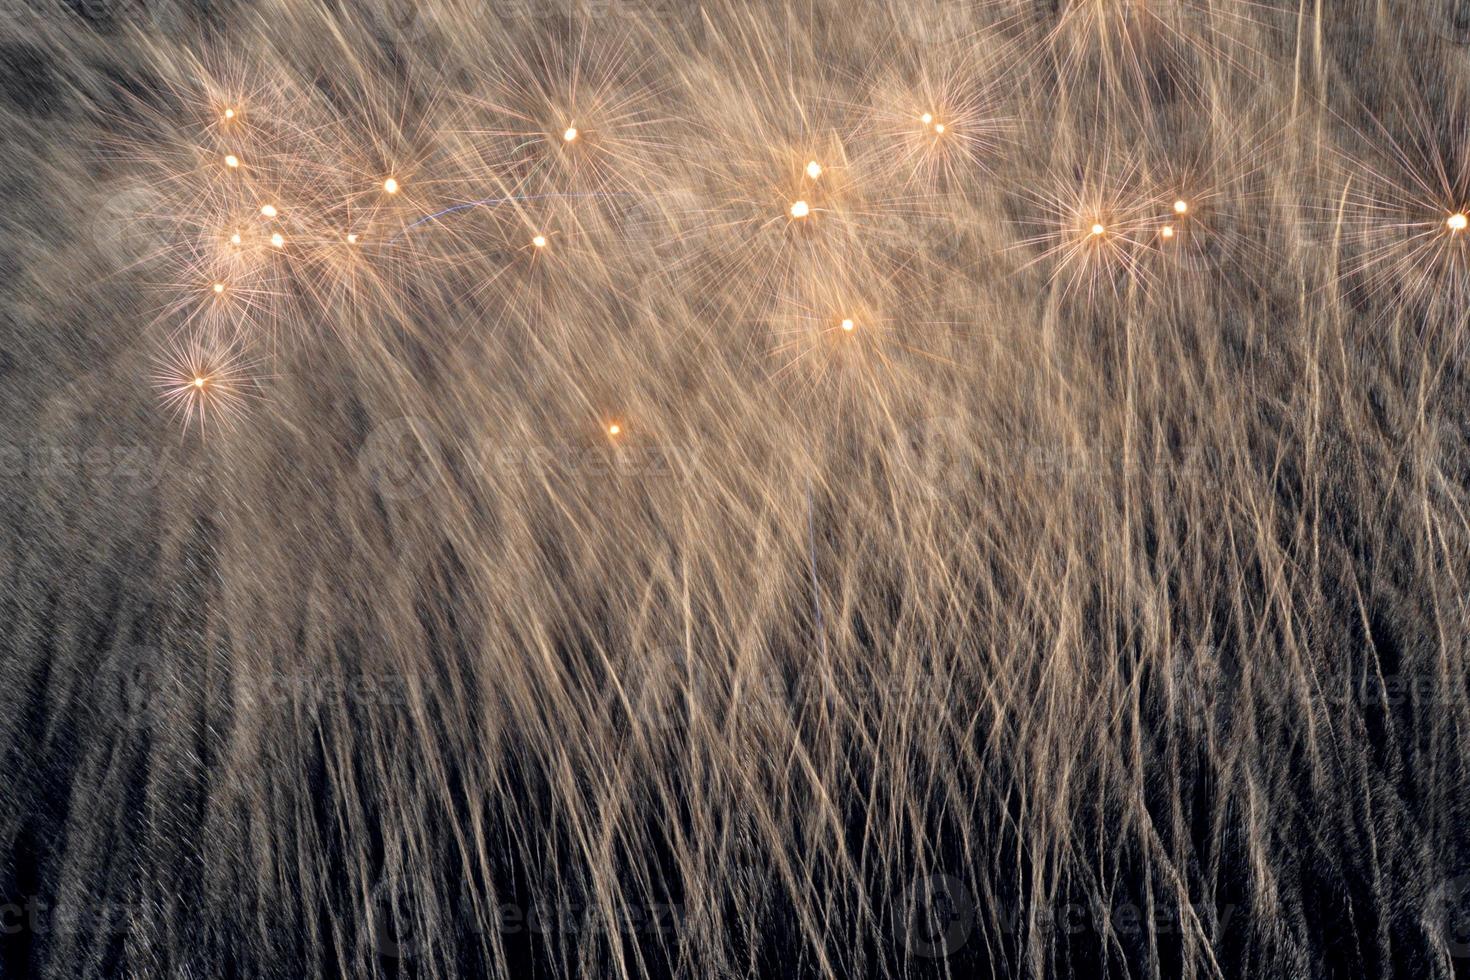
[848, 325]
[352, 239]
[570, 134]
[927, 118]
[800, 209]
[1458, 221]
[199, 382]
[1181, 206]
[229, 113]
[232, 161]
[614, 429]
[1168, 231]
[278, 240]
[269, 210]
[219, 287]
[814, 170]
[1098, 229]
[235, 238]
[390, 186]
[539, 241]
[939, 128]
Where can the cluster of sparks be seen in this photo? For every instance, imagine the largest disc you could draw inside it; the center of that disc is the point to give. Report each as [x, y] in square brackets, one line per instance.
[796, 215]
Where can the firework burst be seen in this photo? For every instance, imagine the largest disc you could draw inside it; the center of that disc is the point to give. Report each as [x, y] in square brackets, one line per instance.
[1092, 230]
[1401, 213]
[567, 114]
[207, 384]
[942, 124]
